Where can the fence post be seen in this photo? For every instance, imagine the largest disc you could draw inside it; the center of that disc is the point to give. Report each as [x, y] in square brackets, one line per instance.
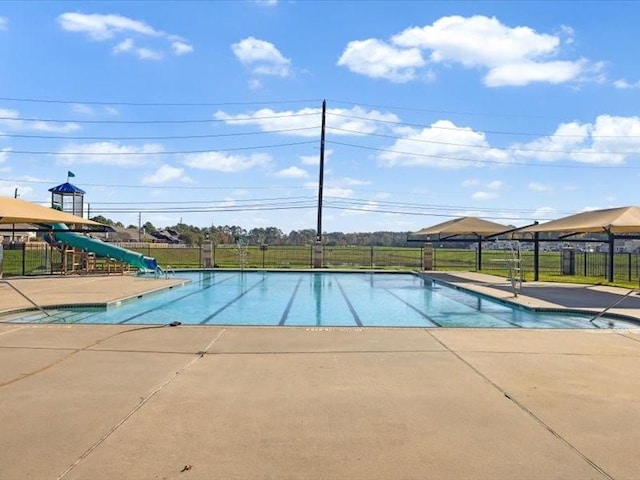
[24, 259]
[371, 257]
[629, 265]
[584, 263]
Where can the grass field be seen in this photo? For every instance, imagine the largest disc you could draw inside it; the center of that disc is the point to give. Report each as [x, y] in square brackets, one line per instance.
[589, 267]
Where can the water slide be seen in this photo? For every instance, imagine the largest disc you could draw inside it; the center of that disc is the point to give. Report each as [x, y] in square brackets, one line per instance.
[103, 249]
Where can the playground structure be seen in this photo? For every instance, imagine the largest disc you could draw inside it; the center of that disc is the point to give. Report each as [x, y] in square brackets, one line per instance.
[81, 253]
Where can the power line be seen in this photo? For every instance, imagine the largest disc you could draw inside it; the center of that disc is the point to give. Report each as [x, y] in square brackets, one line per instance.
[426, 110]
[477, 161]
[153, 122]
[165, 137]
[152, 104]
[486, 147]
[191, 202]
[497, 132]
[162, 187]
[174, 152]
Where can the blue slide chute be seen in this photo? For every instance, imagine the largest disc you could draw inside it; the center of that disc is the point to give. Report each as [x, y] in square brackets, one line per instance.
[102, 249]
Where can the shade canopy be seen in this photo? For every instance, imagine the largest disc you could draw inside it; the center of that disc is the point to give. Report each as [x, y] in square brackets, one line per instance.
[465, 226]
[610, 220]
[14, 210]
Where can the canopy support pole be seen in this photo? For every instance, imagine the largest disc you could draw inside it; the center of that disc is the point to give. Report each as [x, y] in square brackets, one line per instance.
[611, 252]
[536, 256]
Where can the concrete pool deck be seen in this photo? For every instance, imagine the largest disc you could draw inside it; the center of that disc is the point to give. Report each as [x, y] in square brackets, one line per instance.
[192, 402]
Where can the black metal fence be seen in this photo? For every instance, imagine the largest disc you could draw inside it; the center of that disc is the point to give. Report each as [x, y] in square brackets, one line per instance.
[39, 258]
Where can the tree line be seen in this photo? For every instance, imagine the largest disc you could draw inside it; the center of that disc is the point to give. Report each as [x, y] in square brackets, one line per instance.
[231, 234]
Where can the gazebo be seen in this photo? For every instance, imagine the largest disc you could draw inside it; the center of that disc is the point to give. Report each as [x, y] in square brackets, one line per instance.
[462, 229]
[609, 221]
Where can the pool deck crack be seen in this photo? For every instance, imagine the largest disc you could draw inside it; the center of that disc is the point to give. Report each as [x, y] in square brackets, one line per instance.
[142, 403]
[522, 407]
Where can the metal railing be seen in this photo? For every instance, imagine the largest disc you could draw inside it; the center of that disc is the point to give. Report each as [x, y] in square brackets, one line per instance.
[33, 258]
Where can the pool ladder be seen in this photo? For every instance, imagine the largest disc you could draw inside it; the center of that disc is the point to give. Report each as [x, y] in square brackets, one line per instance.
[515, 267]
[6, 282]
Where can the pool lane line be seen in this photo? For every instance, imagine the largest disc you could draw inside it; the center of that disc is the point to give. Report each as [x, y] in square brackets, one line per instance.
[415, 309]
[174, 300]
[351, 309]
[285, 314]
[228, 304]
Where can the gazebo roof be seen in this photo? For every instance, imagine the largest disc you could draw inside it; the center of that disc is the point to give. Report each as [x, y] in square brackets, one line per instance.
[67, 188]
[609, 220]
[15, 210]
[464, 226]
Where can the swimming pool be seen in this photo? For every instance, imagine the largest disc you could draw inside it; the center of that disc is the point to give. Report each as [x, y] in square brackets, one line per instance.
[317, 299]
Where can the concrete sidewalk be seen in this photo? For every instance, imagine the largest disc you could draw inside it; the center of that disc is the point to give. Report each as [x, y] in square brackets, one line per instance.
[105, 402]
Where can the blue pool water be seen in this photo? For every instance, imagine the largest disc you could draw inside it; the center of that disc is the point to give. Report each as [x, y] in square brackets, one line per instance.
[318, 299]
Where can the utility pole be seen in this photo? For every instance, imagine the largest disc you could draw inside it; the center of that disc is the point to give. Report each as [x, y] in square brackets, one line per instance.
[321, 175]
[317, 257]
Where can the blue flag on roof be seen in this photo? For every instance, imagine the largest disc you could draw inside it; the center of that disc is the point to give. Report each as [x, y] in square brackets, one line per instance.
[70, 174]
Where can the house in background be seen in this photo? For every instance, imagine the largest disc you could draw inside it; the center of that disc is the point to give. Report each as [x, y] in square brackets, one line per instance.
[14, 233]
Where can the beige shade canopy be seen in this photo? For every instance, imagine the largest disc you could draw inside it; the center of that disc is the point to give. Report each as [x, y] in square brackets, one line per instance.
[13, 210]
[610, 220]
[465, 226]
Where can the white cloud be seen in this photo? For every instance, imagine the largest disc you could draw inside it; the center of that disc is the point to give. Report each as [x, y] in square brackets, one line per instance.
[4, 154]
[223, 162]
[102, 27]
[266, 3]
[124, 46]
[477, 41]
[148, 54]
[84, 109]
[377, 59]
[538, 187]
[262, 57]
[331, 190]
[4, 23]
[181, 48]
[482, 195]
[8, 188]
[165, 174]
[292, 172]
[471, 182]
[520, 74]
[11, 119]
[354, 182]
[623, 84]
[110, 27]
[341, 192]
[339, 121]
[255, 84]
[443, 145]
[610, 140]
[143, 53]
[364, 209]
[511, 56]
[108, 153]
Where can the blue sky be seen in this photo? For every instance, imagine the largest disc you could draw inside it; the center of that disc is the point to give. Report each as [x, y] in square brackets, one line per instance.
[209, 112]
